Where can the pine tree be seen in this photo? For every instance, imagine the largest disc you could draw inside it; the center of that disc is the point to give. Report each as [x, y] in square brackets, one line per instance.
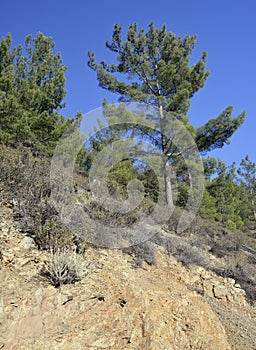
[247, 172]
[208, 208]
[8, 98]
[157, 71]
[31, 93]
[224, 189]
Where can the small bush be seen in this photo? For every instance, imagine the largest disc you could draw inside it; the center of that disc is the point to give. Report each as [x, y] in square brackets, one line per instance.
[64, 268]
[115, 218]
[183, 250]
[142, 252]
[54, 236]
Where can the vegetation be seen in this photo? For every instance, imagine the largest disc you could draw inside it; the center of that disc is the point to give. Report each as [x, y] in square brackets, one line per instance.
[64, 268]
[27, 181]
[229, 194]
[158, 65]
[157, 70]
[31, 93]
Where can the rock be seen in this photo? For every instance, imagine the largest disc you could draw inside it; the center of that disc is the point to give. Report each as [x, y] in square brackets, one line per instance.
[220, 292]
[119, 307]
[138, 309]
[27, 243]
[225, 289]
[92, 266]
[1, 307]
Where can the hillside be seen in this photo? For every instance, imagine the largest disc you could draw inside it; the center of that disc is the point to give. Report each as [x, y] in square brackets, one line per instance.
[116, 305]
[139, 177]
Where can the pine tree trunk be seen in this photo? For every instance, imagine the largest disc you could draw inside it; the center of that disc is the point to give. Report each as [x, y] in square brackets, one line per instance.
[167, 170]
[253, 205]
[167, 183]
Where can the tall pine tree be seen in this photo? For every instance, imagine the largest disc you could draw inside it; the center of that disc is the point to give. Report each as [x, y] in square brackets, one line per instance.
[157, 71]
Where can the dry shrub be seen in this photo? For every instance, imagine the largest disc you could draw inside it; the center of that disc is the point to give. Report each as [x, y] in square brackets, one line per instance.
[27, 180]
[114, 218]
[64, 268]
[183, 250]
[142, 252]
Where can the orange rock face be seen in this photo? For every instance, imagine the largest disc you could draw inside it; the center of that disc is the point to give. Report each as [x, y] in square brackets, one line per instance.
[114, 307]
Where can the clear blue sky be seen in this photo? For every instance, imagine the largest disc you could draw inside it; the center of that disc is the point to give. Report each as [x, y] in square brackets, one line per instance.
[226, 29]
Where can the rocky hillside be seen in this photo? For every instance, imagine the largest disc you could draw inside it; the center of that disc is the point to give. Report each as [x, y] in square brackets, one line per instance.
[116, 305]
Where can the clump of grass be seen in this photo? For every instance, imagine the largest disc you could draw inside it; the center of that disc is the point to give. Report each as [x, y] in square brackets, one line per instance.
[64, 268]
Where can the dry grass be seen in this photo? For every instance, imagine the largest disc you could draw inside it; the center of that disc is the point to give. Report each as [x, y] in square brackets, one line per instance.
[64, 268]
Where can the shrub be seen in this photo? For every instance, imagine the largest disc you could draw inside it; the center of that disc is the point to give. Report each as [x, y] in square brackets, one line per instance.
[183, 250]
[27, 180]
[65, 268]
[142, 252]
[53, 235]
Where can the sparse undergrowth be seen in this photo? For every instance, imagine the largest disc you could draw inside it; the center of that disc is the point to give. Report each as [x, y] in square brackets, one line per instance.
[27, 183]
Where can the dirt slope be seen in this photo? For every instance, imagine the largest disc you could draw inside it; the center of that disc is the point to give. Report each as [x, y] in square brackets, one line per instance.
[116, 306]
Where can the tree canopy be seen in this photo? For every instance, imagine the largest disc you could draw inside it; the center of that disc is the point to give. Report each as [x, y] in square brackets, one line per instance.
[32, 81]
[156, 69]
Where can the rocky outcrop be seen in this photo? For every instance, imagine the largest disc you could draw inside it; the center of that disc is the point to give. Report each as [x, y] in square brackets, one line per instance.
[115, 306]
[224, 289]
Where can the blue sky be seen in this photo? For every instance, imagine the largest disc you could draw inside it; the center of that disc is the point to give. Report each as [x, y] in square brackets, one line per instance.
[225, 29]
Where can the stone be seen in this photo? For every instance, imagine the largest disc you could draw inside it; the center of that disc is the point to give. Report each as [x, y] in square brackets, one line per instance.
[118, 307]
[1, 307]
[27, 243]
[220, 292]
[92, 266]
[138, 309]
